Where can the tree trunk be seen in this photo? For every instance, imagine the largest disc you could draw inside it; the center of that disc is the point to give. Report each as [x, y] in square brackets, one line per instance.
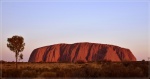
[16, 61]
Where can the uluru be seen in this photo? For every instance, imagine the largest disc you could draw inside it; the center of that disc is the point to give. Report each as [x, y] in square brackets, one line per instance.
[84, 51]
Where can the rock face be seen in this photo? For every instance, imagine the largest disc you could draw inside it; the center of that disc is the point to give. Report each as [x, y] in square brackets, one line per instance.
[81, 51]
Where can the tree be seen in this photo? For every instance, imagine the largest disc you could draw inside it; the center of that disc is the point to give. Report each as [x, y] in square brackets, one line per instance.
[20, 56]
[16, 44]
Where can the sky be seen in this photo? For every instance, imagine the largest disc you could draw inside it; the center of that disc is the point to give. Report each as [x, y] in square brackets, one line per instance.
[41, 23]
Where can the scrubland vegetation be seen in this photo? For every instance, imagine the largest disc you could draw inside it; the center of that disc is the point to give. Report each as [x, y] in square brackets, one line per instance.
[77, 70]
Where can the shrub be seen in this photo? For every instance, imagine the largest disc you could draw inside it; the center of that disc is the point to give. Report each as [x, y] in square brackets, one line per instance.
[126, 64]
[28, 68]
[133, 71]
[55, 69]
[64, 61]
[143, 60]
[113, 70]
[48, 74]
[28, 73]
[41, 61]
[80, 62]
[86, 71]
[11, 73]
[95, 69]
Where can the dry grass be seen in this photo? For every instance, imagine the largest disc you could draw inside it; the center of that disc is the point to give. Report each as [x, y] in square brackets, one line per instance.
[95, 69]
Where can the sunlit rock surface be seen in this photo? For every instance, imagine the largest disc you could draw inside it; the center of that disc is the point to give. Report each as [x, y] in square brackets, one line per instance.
[81, 51]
